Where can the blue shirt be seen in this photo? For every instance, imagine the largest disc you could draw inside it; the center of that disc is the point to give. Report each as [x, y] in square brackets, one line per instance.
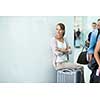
[92, 41]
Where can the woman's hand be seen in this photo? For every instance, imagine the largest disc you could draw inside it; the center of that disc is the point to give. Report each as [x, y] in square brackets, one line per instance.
[58, 49]
[64, 50]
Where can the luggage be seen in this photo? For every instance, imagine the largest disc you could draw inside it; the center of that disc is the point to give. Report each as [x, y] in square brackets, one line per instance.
[73, 75]
[94, 78]
[82, 58]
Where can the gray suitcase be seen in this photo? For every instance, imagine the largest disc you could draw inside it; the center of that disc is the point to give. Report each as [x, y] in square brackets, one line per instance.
[73, 75]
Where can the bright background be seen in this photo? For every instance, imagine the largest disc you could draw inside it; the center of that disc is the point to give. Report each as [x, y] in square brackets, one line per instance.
[25, 53]
[49, 91]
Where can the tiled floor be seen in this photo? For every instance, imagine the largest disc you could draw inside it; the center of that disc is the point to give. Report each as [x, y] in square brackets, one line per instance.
[87, 72]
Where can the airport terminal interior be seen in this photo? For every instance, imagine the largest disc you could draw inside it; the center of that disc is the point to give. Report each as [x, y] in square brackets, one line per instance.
[25, 53]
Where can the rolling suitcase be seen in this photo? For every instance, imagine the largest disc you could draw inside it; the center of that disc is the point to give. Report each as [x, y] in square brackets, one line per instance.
[73, 75]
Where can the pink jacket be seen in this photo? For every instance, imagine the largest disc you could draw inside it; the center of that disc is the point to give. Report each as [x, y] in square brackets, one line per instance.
[53, 44]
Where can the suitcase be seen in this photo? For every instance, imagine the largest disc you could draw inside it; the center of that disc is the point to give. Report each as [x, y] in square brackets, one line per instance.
[73, 75]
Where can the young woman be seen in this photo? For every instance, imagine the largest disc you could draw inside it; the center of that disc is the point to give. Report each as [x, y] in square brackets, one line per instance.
[97, 54]
[61, 49]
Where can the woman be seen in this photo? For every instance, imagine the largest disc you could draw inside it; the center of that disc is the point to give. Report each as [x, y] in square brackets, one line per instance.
[61, 49]
[97, 53]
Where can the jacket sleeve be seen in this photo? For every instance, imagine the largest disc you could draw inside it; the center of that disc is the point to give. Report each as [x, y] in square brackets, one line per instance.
[67, 45]
[53, 45]
[92, 43]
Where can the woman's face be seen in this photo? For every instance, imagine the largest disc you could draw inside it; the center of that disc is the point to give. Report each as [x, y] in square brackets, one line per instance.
[59, 32]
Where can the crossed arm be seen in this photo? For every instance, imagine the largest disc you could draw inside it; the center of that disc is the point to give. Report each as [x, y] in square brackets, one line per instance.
[64, 50]
[59, 51]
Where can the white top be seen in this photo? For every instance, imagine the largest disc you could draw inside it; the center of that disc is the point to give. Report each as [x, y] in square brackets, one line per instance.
[57, 55]
[62, 57]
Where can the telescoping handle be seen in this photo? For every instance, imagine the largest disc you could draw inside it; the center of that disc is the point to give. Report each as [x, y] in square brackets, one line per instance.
[69, 69]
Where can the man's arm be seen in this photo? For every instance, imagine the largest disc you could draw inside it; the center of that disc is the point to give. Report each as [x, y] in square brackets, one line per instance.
[92, 45]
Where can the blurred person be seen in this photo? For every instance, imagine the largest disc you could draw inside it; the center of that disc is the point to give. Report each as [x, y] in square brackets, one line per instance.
[94, 27]
[90, 53]
[78, 37]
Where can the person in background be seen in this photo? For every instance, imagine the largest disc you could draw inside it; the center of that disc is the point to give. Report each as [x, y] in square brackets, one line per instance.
[94, 27]
[97, 51]
[97, 54]
[78, 33]
[74, 37]
[78, 38]
[90, 51]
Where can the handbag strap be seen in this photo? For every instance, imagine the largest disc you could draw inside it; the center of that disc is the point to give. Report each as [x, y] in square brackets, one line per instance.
[83, 48]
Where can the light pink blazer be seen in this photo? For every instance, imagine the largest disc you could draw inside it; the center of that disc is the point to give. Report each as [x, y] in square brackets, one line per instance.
[53, 44]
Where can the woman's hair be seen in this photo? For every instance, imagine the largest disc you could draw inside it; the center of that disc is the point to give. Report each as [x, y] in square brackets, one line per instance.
[94, 23]
[98, 19]
[62, 26]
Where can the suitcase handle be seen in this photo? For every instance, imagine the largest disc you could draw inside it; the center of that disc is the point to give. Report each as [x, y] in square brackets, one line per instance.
[66, 70]
[69, 69]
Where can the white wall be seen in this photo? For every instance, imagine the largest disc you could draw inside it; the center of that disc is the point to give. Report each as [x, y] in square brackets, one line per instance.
[24, 48]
